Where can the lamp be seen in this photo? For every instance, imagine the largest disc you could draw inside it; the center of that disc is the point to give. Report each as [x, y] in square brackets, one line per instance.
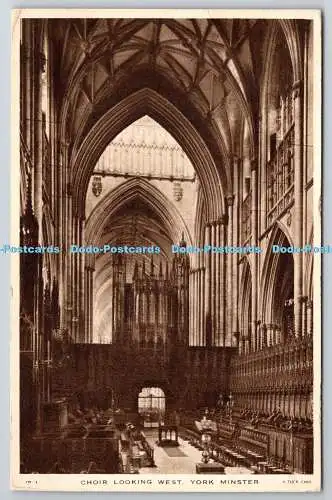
[205, 426]
[206, 440]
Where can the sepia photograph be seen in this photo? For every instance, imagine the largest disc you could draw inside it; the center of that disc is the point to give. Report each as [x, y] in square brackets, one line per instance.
[166, 250]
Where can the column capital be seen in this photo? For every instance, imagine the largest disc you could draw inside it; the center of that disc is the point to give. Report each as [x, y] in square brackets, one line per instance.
[230, 200]
[65, 143]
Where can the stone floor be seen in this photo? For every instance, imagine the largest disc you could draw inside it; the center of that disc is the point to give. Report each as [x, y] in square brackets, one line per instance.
[185, 464]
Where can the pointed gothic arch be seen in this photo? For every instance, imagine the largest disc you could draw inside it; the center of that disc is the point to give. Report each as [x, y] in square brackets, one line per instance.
[277, 290]
[214, 180]
[246, 301]
[130, 190]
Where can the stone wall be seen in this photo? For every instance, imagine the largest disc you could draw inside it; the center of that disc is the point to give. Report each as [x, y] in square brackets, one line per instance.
[189, 376]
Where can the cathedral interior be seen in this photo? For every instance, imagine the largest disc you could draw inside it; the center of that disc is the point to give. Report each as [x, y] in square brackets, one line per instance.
[150, 134]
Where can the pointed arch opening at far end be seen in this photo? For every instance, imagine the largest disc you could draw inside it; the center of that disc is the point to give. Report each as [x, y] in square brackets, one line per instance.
[277, 294]
[153, 197]
[213, 180]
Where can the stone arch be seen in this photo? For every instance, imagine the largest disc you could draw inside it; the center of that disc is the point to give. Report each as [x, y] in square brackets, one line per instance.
[292, 35]
[277, 277]
[149, 102]
[200, 217]
[290, 31]
[161, 382]
[244, 99]
[245, 299]
[270, 53]
[129, 190]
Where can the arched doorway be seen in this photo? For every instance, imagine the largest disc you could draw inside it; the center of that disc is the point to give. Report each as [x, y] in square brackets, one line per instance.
[278, 293]
[283, 311]
[151, 406]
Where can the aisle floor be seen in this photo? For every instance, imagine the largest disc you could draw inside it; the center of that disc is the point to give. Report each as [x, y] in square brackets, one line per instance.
[184, 464]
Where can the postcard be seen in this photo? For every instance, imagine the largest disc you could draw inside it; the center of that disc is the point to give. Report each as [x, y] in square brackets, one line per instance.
[166, 250]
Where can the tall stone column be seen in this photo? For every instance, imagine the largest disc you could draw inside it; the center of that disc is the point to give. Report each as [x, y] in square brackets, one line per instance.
[34, 128]
[213, 283]
[37, 131]
[304, 316]
[222, 283]
[217, 286]
[166, 299]
[200, 301]
[254, 276]
[86, 304]
[91, 271]
[236, 256]
[208, 286]
[59, 238]
[202, 295]
[199, 306]
[65, 239]
[81, 281]
[196, 306]
[230, 271]
[89, 304]
[298, 206]
[70, 260]
[191, 307]
[113, 300]
[75, 282]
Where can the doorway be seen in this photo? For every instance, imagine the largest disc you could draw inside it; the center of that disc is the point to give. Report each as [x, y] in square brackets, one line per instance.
[151, 406]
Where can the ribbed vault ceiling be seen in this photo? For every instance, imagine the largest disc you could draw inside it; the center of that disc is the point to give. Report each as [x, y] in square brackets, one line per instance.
[215, 62]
